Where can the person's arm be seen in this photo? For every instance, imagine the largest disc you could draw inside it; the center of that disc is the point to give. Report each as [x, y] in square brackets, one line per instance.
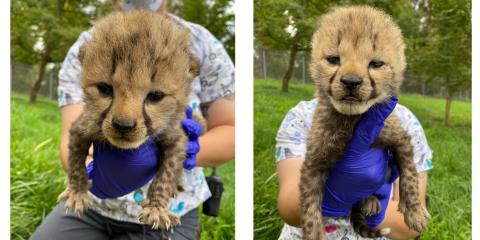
[394, 219]
[69, 114]
[289, 193]
[217, 145]
[289, 199]
[217, 80]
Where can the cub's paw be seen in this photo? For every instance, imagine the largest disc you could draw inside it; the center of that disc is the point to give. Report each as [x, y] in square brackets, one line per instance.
[76, 202]
[371, 206]
[158, 217]
[416, 218]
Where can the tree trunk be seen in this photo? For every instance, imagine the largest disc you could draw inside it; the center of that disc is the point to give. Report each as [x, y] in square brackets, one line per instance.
[46, 55]
[448, 105]
[12, 69]
[264, 63]
[38, 84]
[60, 7]
[291, 64]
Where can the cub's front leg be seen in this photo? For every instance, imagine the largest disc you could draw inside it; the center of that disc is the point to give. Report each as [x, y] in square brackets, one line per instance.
[318, 162]
[155, 208]
[75, 195]
[393, 135]
[312, 185]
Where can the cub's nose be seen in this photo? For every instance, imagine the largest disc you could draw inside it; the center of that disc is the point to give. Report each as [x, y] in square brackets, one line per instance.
[123, 125]
[351, 81]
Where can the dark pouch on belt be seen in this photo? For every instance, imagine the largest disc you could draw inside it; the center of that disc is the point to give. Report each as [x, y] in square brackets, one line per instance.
[211, 207]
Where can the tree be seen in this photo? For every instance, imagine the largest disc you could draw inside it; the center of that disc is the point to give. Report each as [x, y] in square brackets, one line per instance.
[216, 16]
[43, 31]
[444, 55]
[287, 25]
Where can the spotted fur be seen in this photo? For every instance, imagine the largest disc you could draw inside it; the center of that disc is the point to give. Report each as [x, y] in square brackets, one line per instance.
[357, 35]
[136, 71]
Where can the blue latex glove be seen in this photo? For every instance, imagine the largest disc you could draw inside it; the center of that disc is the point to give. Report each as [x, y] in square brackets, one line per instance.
[193, 130]
[115, 172]
[362, 170]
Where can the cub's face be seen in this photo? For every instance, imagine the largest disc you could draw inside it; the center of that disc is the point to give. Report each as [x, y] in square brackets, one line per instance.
[136, 76]
[357, 58]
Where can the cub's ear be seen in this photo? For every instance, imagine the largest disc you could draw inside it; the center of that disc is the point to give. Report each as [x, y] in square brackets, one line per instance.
[81, 53]
[194, 66]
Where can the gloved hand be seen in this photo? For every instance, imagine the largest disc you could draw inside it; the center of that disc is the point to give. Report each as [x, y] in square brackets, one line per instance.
[193, 130]
[362, 170]
[115, 172]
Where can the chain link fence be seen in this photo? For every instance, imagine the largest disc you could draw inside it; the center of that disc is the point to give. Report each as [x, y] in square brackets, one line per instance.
[272, 64]
[24, 75]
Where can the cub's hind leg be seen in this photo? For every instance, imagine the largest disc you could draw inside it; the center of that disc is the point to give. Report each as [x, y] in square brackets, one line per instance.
[370, 206]
[357, 218]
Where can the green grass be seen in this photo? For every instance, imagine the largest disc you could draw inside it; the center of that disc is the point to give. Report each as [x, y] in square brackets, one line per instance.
[37, 176]
[449, 188]
[223, 226]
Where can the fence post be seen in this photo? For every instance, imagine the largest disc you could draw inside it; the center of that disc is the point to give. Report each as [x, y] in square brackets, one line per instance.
[264, 63]
[303, 68]
[50, 85]
[11, 74]
[33, 74]
[424, 86]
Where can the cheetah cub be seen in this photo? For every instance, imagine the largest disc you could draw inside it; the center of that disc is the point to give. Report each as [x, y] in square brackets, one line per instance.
[357, 61]
[136, 75]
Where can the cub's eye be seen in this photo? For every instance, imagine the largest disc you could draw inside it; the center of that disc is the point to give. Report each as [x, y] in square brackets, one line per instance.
[105, 89]
[334, 60]
[376, 64]
[155, 96]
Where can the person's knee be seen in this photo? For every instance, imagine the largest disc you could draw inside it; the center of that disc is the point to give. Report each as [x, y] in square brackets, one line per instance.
[190, 227]
[49, 225]
[61, 225]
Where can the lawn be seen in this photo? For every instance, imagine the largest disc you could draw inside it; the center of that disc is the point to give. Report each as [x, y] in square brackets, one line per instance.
[449, 189]
[37, 177]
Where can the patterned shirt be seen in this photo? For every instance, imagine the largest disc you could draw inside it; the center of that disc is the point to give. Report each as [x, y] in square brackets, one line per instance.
[216, 80]
[292, 142]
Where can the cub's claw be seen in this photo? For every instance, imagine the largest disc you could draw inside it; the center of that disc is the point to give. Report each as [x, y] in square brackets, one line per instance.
[371, 206]
[158, 217]
[416, 218]
[74, 201]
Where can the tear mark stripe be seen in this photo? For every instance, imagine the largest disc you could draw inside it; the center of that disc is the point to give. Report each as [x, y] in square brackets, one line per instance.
[147, 121]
